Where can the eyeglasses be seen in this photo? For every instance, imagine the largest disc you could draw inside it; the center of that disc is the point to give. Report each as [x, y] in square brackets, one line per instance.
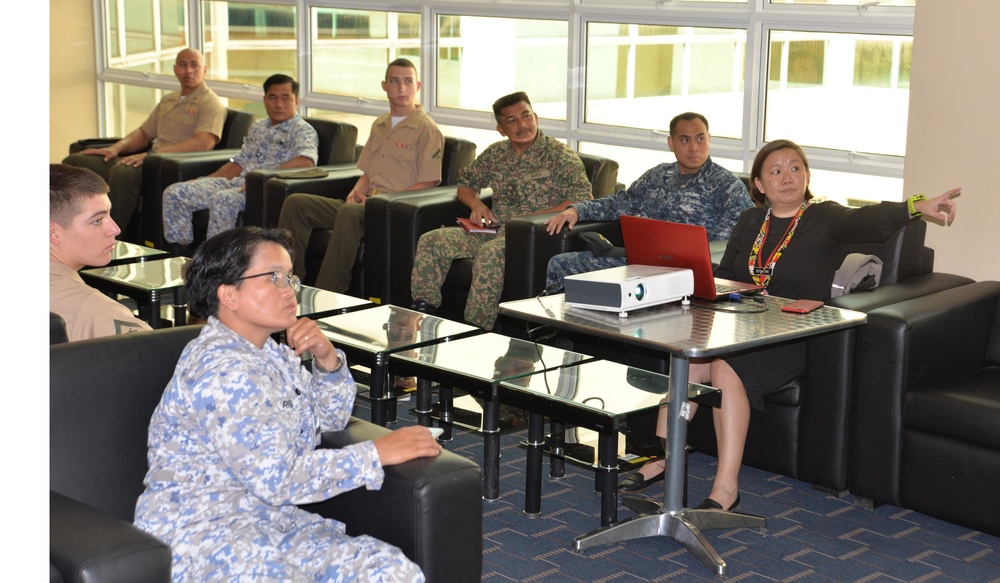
[281, 280]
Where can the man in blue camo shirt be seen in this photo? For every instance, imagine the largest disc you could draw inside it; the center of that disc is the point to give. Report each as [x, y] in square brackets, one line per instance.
[693, 190]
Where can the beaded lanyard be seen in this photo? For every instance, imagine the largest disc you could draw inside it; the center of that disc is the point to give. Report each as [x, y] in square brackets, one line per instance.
[762, 275]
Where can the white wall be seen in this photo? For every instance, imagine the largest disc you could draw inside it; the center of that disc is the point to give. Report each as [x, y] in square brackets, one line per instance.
[72, 75]
[953, 129]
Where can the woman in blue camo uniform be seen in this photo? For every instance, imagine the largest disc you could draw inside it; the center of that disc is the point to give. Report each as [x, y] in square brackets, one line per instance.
[232, 444]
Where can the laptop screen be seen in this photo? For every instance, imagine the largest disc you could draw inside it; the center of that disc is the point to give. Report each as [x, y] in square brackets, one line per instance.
[653, 242]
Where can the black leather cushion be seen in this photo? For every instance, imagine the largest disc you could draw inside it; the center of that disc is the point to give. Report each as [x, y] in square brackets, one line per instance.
[99, 416]
[602, 173]
[88, 545]
[234, 129]
[57, 329]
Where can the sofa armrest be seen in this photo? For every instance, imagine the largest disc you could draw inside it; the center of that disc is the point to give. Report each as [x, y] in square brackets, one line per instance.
[431, 508]
[266, 207]
[86, 544]
[529, 246]
[412, 217]
[160, 171]
[380, 240]
[903, 290]
[924, 339]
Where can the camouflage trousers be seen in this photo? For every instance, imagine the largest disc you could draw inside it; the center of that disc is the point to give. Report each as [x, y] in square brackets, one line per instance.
[575, 262]
[223, 197]
[435, 252]
[298, 548]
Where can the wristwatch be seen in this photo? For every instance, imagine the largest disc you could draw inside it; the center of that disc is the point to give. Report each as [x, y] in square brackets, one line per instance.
[911, 201]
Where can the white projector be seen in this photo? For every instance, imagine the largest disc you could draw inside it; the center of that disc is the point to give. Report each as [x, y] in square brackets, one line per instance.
[620, 289]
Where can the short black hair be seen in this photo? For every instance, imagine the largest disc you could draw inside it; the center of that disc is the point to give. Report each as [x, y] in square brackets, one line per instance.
[222, 260]
[687, 116]
[507, 101]
[280, 79]
[68, 187]
[401, 62]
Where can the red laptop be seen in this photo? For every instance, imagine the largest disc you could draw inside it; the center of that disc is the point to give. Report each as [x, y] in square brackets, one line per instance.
[652, 242]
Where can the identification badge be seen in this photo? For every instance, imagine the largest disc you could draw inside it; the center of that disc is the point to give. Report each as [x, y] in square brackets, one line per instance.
[538, 174]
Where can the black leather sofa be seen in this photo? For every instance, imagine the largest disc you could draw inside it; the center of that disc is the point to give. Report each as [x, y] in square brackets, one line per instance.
[102, 393]
[804, 427]
[925, 431]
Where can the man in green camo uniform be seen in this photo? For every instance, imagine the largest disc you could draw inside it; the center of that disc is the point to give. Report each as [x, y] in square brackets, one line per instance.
[529, 173]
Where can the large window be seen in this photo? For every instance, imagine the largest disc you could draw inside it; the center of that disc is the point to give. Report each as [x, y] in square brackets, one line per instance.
[604, 76]
[350, 49]
[641, 75]
[481, 59]
[838, 91]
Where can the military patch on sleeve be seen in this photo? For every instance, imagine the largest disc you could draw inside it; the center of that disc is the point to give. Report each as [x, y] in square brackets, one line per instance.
[124, 327]
[438, 154]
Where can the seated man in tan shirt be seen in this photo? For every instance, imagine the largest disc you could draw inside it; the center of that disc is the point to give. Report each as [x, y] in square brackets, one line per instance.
[82, 233]
[403, 152]
[189, 120]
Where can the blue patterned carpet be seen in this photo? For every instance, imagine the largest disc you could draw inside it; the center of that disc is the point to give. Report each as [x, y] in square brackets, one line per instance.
[811, 536]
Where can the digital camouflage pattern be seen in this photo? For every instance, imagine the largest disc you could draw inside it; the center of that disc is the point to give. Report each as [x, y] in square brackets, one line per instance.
[232, 452]
[545, 175]
[265, 147]
[713, 198]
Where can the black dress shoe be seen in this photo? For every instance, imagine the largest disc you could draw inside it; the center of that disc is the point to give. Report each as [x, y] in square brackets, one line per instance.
[635, 482]
[709, 504]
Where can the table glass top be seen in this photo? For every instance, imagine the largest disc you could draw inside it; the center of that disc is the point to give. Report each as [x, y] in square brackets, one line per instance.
[492, 357]
[385, 329]
[605, 387]
[125, 252]
[150, 275]
[313, 301]
[699, 329]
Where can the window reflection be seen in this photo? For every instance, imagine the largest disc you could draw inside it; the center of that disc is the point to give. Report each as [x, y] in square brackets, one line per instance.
[638, 74]
[856, 81]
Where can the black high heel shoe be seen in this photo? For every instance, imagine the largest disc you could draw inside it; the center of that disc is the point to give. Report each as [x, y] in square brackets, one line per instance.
[709, 504]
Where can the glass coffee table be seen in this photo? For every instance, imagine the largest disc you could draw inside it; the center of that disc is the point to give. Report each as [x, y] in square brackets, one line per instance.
[369, 336]
[478, 365]
[125, 252]
[146, 282]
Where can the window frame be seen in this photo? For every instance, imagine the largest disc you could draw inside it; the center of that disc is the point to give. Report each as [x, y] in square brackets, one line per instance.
[757, 17]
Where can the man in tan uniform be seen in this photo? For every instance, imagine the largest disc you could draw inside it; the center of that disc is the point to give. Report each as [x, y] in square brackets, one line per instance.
[81, 233]
[189, 120]
[403, 152]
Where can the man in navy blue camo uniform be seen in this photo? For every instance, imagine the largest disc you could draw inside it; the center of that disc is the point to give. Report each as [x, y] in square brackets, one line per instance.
[692, 190]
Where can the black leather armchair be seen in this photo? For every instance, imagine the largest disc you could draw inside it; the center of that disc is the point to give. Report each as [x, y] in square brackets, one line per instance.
[337, 143]
[102, 393]
[372, 272]
[234, 129]
[528, 245]
[803, 430]
[926, 407]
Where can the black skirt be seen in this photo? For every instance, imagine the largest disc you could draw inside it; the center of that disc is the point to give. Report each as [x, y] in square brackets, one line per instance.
[766, 370]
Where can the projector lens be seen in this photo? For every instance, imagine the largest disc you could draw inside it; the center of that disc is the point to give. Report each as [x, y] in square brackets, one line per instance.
[640, 291]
